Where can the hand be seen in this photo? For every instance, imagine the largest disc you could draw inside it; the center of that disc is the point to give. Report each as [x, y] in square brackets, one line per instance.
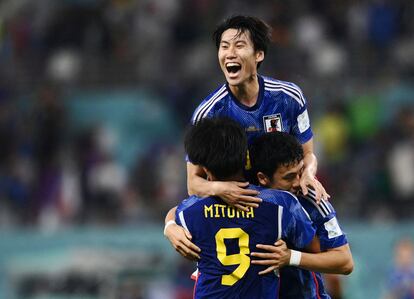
[180, 239]
[236, 194]
[309, 182]
[276, 257]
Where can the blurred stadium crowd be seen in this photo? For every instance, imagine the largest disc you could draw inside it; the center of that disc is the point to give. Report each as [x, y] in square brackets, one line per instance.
[354, 60]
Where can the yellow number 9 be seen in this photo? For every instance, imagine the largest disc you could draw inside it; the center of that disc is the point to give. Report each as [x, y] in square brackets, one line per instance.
[242, 259]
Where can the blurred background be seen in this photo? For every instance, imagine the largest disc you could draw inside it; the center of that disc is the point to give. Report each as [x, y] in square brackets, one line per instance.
[95, 96]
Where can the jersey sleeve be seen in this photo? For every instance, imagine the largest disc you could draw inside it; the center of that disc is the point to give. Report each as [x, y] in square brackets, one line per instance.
[183, 213]
[199, 112]
[323, 216]
[206, 108]
[302, 128]
[297, 227]
[179, 214]
[328, 230]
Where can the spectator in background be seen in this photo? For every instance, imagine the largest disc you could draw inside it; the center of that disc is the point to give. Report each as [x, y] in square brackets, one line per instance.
[401, 162]
[50, 131]
[16, 169]
[401, 279]
[401, 157]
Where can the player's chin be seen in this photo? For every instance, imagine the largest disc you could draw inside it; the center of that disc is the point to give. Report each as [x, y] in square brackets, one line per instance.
[233, 81]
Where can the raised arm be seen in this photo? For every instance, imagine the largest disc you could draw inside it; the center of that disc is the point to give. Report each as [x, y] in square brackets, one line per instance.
[233, 193]
[308, 177]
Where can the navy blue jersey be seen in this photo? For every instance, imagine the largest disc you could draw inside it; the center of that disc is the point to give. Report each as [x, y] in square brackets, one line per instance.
[296, 283]
[280, 106]
[226, 236]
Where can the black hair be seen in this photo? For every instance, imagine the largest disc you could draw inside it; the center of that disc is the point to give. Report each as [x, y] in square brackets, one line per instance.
[272, 150]
[259, 31]
[219, 144]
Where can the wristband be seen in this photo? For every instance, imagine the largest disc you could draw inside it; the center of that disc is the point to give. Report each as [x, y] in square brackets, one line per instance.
[295, 257]
[168, 224]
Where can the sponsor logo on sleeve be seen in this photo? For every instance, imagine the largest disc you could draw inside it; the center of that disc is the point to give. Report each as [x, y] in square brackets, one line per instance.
[303, 121]
[333, 229]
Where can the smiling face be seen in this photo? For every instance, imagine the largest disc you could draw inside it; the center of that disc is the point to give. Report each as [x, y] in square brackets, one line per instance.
[286, 177]
[237, 56]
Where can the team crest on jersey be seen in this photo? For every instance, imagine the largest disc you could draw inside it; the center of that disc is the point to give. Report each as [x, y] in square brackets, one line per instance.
[272, 123]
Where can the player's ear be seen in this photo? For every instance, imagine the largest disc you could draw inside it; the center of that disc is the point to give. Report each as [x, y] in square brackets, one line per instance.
[210, 176]
[263, 179]
[259, 56]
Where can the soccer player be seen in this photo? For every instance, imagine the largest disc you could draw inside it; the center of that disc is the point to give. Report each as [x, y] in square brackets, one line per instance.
[281, 169]
[260, 104]
[226, 235]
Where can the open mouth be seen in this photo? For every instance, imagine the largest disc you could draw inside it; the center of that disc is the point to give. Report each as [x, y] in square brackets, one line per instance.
[233, 67]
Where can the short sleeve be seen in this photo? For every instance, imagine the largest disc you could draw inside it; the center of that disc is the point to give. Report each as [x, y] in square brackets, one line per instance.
[328, 229]
[301, 128]
[206, 108]
[183, 214]
[177, 214]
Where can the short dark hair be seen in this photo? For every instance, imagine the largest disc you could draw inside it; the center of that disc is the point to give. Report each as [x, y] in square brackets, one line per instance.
[272, 150]
[219, 144]
[259, 31]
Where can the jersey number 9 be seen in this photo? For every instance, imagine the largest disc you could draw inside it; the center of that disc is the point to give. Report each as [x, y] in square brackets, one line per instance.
[242, 259]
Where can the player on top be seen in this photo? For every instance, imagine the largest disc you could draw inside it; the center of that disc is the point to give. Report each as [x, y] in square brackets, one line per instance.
[260, 104]
[226, 235]
[281, 169]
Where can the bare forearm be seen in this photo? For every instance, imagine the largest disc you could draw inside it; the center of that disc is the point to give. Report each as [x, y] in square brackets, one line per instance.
[233, 193]
[335, 261]
[309, 160]
[308, 178]
[199, 186]
[310, 163]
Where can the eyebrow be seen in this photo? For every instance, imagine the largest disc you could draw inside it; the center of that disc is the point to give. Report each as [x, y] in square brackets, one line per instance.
[290, 174]
[241, 42]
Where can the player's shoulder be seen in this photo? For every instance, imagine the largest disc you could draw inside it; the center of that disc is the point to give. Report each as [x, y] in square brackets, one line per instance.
[277, 197]
[322, 209]
[209, 102]
[288, 88]
[219, 91]
[269, 81]
[190, 202]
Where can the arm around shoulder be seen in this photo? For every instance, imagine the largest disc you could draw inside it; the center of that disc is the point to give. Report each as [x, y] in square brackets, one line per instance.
[197, 183]
[233, 193]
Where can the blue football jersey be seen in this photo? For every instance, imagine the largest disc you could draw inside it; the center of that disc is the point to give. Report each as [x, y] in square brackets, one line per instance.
[280, 106]
[226, 236]
[296, 283]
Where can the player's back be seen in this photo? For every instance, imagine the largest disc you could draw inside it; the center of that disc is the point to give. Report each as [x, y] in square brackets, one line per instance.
[226, 237]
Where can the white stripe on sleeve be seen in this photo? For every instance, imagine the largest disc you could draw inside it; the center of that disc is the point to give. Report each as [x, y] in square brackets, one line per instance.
[181, 216]
[279, 222]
